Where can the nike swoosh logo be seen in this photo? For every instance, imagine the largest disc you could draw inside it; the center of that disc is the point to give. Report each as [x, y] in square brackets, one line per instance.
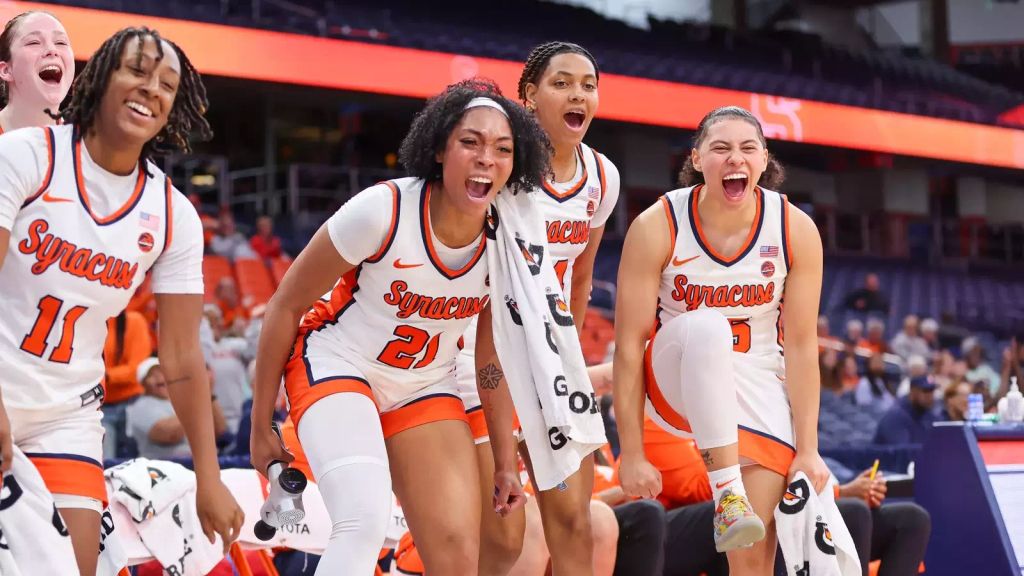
[720, 485]
[678, 262]
[48, 198]
[399, 265]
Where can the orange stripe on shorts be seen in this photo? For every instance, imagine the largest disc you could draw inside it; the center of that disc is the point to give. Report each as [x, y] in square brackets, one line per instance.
[71, 474]
[425, 410]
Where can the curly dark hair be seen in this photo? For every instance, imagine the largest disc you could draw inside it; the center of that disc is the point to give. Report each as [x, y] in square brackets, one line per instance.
[7, 39]
[773, 174]
[431, 128]
[186, 119]
[537, 62]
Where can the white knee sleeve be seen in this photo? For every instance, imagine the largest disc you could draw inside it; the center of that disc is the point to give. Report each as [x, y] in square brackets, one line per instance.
[342, 437]
[692, 360]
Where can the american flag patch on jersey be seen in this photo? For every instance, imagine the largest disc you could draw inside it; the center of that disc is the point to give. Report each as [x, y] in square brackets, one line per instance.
[769, 251]
[152, 221]
[594, 193]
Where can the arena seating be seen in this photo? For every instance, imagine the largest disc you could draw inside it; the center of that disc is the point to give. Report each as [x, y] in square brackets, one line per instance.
[787, 63]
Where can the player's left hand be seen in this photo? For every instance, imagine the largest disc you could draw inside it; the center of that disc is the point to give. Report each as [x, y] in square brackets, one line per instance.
[811, 464]
[508, 493]
[218, 512]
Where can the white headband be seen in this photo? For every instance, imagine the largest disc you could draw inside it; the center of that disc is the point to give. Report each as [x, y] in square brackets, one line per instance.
[484, 101]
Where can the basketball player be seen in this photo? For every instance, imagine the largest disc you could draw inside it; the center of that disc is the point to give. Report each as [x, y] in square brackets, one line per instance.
[84, 215]
[408, 254]
[36, 70]
[708, 267]
[559, 85]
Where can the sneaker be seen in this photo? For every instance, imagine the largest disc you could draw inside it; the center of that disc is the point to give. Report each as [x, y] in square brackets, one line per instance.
[736, 525]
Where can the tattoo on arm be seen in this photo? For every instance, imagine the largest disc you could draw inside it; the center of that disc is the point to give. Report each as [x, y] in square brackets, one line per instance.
[708, 460]
[489, 377]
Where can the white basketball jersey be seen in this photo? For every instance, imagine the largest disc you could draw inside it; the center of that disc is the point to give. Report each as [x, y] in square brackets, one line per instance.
[568, 212]
[746, 287]
[401, 313]
[67, 270]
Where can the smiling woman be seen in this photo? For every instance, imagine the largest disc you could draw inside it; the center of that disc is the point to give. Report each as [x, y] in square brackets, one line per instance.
[404, 264]
[36, 69]
[89, 186]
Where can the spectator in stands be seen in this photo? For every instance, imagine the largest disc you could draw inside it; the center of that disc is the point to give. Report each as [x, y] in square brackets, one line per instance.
[264, 243]
[930, 335]
[954, 402]
[228, 241]
[1011, 367]
[227, 362]
[875, 341]
[854, 334]
[875, 388]
[910, 419]
[908, 343]
[128, 344]
[849, 373]
[825, 338]
[830, 368]
[869, 298]
[895, 533]
[942, 369]
[916, 366]
[978, 370]
[233, 314]
[152, 421]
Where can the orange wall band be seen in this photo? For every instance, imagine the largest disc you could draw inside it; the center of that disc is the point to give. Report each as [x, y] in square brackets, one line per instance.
[308, 60]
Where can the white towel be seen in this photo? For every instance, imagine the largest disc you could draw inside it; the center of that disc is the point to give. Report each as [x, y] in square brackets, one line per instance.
[813, 537]
[537, 342]
[160, 499]
[33, 537]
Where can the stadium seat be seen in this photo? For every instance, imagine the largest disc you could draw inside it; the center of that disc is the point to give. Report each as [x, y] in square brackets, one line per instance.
[255, 285]
[214, 269]
[278, 266]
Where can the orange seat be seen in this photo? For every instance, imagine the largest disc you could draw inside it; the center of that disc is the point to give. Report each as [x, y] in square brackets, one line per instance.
[278, 266]
[214, 269]
[254, 283]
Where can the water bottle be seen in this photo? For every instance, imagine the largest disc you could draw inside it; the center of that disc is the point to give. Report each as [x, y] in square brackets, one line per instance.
[975, 407]
[1014, 402]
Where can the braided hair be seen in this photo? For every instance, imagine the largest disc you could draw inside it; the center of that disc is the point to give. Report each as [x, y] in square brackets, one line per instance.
[190, 104]
[537, 62]
[773, 174]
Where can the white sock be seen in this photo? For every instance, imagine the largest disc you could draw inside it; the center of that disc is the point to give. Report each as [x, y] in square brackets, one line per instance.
[728, 478]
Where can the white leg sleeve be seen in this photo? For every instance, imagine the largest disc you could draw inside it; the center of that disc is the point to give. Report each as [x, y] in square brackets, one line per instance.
[342, 437]
[692, 360]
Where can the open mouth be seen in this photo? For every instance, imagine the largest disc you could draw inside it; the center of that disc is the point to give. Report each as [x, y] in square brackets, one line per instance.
[140, 109]
[478, 187]
[51, 74]
[574, 120]
[734, 185]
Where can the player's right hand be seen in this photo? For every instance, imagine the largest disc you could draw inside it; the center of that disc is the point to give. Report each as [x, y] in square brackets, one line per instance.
[265, 446]
[6, 442]
[638, 478]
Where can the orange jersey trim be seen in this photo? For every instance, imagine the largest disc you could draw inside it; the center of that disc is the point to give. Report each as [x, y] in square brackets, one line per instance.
[563, 196]
[396, 206]
[766, 450]
[83, 194]
[673, 227]
[787, 254]
[168, 236]
[478, 423]
[432, 408]
[71, 474]
[428, 240]
[50, 151]
[698, 230]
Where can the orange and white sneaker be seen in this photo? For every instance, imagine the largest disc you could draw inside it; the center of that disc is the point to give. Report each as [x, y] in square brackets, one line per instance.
[736, 524]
